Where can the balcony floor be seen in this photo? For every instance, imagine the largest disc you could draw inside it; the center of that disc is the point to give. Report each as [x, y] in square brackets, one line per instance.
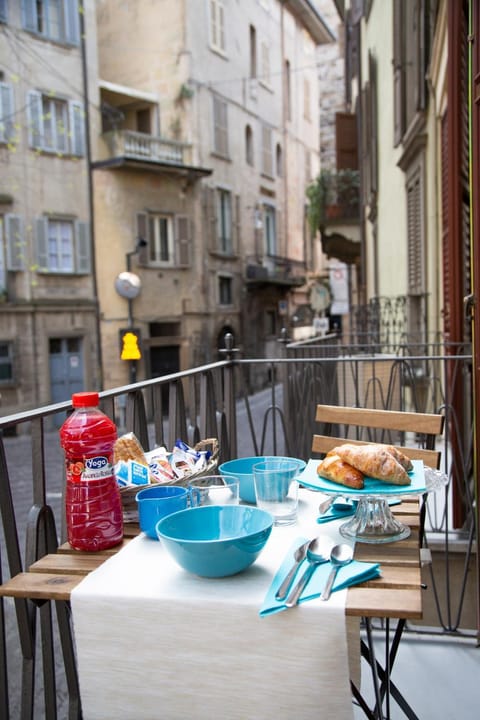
[439, 677]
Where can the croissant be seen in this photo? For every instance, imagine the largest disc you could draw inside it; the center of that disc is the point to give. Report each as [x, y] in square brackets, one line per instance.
[375, 461]
[400, 457]
[337, 470]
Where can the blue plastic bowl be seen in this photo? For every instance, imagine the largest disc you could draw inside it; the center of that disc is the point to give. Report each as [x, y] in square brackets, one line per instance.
[243, 469]
[215, 540]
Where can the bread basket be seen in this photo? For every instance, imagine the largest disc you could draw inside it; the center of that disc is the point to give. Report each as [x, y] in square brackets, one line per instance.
[128, 493]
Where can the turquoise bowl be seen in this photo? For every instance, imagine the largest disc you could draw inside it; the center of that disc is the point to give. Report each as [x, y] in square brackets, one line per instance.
[243, 469]
[215, 540]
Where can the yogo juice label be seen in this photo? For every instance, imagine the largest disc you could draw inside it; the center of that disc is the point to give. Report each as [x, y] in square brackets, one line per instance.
[94, 468]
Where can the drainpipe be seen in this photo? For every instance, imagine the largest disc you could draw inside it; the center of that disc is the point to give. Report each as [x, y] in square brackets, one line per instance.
[88, 156]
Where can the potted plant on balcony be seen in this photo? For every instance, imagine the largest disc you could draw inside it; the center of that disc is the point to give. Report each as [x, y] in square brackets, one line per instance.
[320, 194]
[333, 195]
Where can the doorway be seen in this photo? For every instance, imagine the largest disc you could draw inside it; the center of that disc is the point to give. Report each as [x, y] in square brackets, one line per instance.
[66, 371]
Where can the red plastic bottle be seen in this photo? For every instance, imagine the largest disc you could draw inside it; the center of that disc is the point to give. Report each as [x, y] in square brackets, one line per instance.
[92, 499]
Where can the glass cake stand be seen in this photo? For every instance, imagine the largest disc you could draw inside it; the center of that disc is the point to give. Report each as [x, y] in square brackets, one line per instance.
[373, 521]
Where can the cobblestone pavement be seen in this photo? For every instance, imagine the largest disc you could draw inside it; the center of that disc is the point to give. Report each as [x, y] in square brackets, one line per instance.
[19, 452]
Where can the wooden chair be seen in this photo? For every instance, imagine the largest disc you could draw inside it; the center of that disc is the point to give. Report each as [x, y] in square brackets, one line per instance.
[361, 426]
[387, 426]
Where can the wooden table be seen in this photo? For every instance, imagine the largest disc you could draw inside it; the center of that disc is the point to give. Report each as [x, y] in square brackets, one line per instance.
[397, 594]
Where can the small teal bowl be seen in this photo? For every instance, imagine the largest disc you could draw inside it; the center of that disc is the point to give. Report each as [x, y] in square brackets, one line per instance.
[243, 469]
[215, 540]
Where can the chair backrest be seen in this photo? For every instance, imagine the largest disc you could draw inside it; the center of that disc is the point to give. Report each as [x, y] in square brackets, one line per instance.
[387, 423]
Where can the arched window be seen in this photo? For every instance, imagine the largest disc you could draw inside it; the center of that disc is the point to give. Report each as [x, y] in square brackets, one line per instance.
[249, 145]
[279, 160]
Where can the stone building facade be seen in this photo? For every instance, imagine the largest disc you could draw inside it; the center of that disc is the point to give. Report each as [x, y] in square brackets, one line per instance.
[48, 305]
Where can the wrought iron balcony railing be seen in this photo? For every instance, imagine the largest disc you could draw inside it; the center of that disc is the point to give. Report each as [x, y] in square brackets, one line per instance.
[214, 400]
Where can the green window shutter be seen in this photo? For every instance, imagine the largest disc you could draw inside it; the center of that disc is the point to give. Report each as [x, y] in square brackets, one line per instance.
[41, 236]
[182, 241]
[77, 128]
[82, 247]
[15, 242]
[35, 120]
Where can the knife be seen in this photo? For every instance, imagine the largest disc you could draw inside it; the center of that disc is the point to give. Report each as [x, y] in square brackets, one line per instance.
[299, 556]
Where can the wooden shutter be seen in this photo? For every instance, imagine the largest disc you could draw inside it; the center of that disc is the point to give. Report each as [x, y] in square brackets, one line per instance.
[237, 226]
[29, 15]
[346, 141]
[41, 236]
[220, 126]
[373, 123]
[72, 33]
[143, 234]
[77, 128]
[35, 119]
[398, 73]
[15, 242]
[3, 10]
[82, 247]
[182, 241]
[415, 234]
[447, 285]
[6, 112]
[210, 224]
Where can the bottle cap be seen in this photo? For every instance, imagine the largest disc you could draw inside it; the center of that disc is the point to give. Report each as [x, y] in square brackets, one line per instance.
[85, 399]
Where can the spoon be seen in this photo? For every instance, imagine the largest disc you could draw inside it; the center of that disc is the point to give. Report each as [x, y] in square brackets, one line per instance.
[317, 553]
[341, 555]
[298, 556]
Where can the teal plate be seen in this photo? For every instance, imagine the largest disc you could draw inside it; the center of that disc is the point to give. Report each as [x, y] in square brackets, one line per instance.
[310, 479]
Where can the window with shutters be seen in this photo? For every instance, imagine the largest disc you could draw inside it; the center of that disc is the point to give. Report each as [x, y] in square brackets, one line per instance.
[56, 20]
[167, 239]
[270, 230]
[225, 290]
[411, 46]
[217, 25]
[3, 11]
[63, 246]
[6, 362]
[7, 129]
[220, 127]
[160, 243]
[55, 125]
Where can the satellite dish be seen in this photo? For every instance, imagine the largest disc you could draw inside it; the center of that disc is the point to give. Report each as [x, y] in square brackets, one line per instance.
[128, 285]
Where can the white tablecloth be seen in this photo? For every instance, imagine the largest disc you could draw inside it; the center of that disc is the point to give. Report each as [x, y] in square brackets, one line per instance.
[154, 642]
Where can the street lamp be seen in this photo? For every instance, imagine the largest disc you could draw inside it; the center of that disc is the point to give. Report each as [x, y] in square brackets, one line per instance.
[141, 243]
[128, 286]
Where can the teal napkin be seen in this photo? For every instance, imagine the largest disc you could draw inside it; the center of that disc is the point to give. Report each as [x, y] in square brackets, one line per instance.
[353, 574]
[337, 511]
